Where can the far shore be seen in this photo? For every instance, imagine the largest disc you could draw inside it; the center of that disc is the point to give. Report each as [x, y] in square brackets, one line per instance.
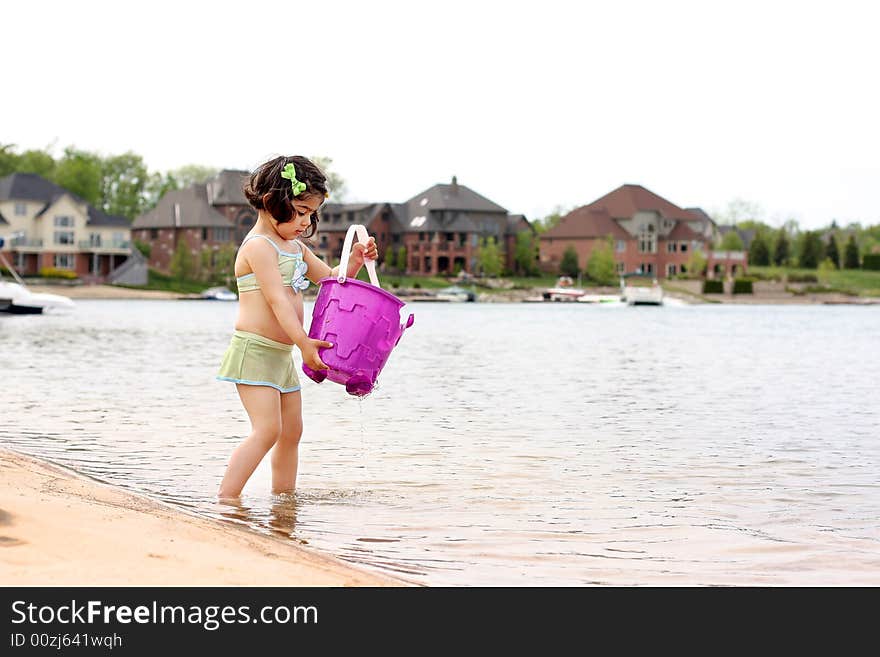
[58, 527]
[685, 291]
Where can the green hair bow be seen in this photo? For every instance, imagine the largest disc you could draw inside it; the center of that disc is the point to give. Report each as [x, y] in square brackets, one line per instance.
[290, 173]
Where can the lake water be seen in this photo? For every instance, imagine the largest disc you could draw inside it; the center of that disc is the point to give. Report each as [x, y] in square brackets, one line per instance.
[506, 444]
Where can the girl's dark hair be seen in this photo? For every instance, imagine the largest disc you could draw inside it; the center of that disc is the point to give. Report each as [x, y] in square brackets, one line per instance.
[266, 179]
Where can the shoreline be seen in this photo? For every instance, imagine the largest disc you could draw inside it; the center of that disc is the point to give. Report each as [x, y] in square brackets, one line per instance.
[59, 527]
[690, 297]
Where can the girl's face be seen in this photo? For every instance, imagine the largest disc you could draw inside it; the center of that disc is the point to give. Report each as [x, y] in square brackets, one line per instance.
[304, 206]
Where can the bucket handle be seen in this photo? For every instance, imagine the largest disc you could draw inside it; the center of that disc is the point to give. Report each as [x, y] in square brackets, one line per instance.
[363, 238]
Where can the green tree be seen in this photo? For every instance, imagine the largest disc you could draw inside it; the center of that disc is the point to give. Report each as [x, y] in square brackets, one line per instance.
[191, 174]
[80, 172]
[738, 212]
[123, 185]
[550, 221]
[525, 252]
[696, 264]
[38, 162]
[569, 265]
[759, 251]
[490, 258]
[826, 267]
[731, 242]
[811, 251]
[157, 185]
[851, 254]
[600, 266]
[832, 252]
[400, 261]
[224, 263]
[782, 249]
[8, 160]
[335, 182]
[183, 265]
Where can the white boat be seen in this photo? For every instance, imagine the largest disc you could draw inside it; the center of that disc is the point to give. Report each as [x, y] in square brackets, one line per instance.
[612, 299]
[15, 298]
[456, 294]
[564, 290]
[640, 290]
[219, 294]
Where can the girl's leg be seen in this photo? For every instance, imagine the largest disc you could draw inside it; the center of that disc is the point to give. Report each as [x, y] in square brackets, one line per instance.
[263, 406]
[285, 455]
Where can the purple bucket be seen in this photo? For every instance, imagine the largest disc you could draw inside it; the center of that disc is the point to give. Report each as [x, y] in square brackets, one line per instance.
[363, 323]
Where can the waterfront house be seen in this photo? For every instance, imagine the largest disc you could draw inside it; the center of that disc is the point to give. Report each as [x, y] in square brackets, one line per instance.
[189, 215]
[649, 234]
[441, 228]
[47, 227]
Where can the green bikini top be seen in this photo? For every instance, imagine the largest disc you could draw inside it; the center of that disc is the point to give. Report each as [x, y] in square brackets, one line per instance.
[293, 269]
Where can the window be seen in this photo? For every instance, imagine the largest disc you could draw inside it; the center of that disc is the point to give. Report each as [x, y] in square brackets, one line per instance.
[20, 209]
[647, 239]
[221, 234]
[684, 247]
[154, 233]
[671, 247]
[670, 270]
[650, 269]
[204, 234]
[621, 246]
[620, 267]
[683, 269]
[421, 237]
[646, 268]
[63, 221]
[63, 237]
[323, 241]
[64, 261]
[95, 239]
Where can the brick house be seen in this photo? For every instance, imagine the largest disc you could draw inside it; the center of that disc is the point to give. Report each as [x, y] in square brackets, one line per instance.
[46, 226]
[440, 228]
[649, 234]
[188, 214]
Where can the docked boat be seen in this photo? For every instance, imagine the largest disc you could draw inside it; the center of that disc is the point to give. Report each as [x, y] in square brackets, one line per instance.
[219, 294]
[608, 299]
[640, 290]
[456, 294]
[564, 290]
[17, 299]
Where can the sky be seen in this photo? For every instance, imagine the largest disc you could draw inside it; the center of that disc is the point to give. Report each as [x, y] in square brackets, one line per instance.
[535, 105]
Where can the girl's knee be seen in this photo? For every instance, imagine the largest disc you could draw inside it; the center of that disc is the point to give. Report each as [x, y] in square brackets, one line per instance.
[267, 435]
[291, 435]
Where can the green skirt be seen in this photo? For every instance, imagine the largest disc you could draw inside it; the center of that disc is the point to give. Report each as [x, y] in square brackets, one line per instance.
[254, 360]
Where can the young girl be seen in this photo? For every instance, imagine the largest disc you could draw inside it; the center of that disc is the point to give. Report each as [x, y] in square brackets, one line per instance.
[271, 269]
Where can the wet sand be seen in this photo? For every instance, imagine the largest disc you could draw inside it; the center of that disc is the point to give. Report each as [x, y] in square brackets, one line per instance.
[60, 528]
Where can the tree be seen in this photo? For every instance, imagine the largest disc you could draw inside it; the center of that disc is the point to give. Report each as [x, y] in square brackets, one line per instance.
[738, 211]
[123, 185]
[696, 264]
[851, 254]
[525, 251]
[781, 250]
[191, 174]
[80, 172]
[182, 263]
[759, 251]
[600, 266]
[38, 162]
[569, 265]
[731, 242]
[546, 223]
[400, 262]
[832, 252]
[826, 267]
[8, 160]
[335, 182]
[811, 250]
[489, 258]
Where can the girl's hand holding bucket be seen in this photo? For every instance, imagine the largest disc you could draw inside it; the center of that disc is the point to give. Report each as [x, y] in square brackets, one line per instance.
[309, 350]
[360, 253]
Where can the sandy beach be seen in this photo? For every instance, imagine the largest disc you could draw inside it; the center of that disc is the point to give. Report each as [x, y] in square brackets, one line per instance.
[60, 528]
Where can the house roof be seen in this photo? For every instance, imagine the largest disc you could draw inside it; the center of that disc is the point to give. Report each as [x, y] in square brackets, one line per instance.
[586, 221]
[453, 196]
[626, 200]
[349, 214]
[227, 187]
[702, 214]
[682, 231]
[32, 187]
[183, 208]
